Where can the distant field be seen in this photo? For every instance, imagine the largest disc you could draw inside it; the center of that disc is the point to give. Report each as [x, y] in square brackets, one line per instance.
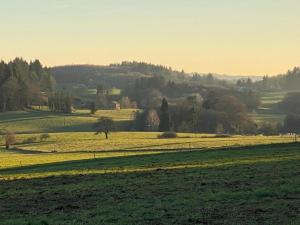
[113, 91]
[89, 95]
[44, 121]
[266, 112]
[265, 117]
[271, 98]
[250, 185]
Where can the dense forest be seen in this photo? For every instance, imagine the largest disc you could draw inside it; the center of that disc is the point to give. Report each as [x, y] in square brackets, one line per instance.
[23, 84]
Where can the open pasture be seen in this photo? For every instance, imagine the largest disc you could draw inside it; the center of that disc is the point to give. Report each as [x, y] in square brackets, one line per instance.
[35, 121]
[247, 185]
[86, 145]
[76, 177]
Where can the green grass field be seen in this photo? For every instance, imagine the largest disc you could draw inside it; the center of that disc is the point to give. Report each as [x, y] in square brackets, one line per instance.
[247, 185]
[271, 98]
[266, 112]
[83, 145]
[44, 121]
[76, 177]
[89, 95]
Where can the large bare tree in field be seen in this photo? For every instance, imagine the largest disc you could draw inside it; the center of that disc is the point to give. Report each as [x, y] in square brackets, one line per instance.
[104, 125]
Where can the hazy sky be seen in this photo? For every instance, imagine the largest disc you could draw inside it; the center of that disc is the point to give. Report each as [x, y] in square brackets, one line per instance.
[242, 37]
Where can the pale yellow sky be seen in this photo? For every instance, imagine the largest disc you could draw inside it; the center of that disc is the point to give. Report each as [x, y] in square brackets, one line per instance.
[237, 37]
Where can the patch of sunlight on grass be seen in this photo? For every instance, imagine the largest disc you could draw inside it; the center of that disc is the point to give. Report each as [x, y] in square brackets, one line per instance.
[130, 169]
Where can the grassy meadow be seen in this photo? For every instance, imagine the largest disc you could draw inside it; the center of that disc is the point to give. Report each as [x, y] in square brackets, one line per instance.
[134, 178]
[39, 121]
[266, 112]
[86, 145]
[246, 185]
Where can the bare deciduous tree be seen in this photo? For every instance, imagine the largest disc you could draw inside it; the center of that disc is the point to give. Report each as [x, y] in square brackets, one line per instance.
[104, 125]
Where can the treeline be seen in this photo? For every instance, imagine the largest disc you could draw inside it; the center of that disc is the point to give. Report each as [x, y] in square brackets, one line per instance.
[288, 81]
[23, 84]
[209, 80]
[148, 69]
[60, 102]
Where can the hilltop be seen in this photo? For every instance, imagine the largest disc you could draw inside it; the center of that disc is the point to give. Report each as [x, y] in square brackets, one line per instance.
[116, 75]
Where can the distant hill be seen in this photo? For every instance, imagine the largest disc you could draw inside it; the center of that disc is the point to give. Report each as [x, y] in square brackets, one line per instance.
[126, 73]
[114, 75]
[236, 77]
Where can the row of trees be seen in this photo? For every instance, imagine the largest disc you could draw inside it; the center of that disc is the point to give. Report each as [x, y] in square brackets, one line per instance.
[60, 102]
[288, 81]
[23, 84]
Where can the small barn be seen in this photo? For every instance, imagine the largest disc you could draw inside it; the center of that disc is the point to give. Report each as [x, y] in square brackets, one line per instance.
[115, 105]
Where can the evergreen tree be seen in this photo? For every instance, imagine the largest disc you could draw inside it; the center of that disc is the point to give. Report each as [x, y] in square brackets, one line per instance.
[93, 108]
[21, 84]
[164, 124]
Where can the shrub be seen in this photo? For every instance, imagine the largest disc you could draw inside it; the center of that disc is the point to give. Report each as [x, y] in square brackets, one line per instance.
[168, 134]
[44, 137]
[10, 139]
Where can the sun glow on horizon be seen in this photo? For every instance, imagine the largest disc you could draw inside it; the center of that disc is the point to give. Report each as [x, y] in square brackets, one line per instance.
[229, 37]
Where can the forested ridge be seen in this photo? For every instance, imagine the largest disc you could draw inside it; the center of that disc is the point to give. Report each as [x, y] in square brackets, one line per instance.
[123, 74]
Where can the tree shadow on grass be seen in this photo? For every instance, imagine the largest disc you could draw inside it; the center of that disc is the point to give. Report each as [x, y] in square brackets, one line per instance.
[158, 159]
[24, 152]
[86, 127]
[187, 196]
[189, 145]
